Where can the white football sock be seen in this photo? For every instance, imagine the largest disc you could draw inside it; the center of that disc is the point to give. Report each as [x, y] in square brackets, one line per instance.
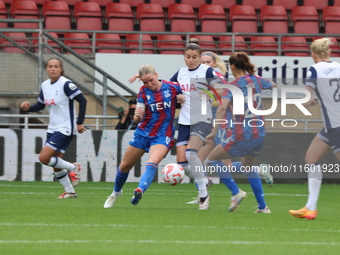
[314, 186]
[59, 163]
[65, 181]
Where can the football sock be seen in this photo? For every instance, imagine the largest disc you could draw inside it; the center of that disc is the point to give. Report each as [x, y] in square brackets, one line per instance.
[59, 163]
[120, 180]
[314, 186]
[256, 185]
[64, 180]
[186, 167]
[225, 176]
[148, 176]
[197, 171]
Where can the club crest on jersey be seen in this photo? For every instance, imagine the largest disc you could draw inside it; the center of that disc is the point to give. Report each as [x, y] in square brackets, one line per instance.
[167, 93]
[72, 86]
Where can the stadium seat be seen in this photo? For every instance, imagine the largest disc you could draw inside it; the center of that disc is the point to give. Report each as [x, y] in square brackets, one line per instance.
[102, 3]
[70, 2]
[274, 19]
[132, 44]
[225, 3]
[336, 2]
[318, 4]
[132, 3]
[243, 18]
[180, 14]
[206, 42]
[109, 41]
[35, 42]
[57, 15]
[119, 17]
[25, 10]
[194, 3]
[331, 19]
[79, 42]
[18, 37]
[172, 44]
[151, 17]
[295, 43]
[287, 4]
[225, 44]
[3, 14]
[88, 16]
[334, 46]
[257, 4]
[305, 20]
[213, 18]
[266, 43]
[164, 3]
[13, 4]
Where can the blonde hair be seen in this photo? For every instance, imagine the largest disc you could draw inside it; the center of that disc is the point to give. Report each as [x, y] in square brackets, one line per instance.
[321, 47]
[219, 63]
[143, 70]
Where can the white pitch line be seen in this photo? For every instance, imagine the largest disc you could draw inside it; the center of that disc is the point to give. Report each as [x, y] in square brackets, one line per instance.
[38, 193]
[152, 190]
[205, 242]
[166, 226]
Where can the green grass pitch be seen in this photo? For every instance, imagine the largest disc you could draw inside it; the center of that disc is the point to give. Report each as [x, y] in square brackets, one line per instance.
[33, 221]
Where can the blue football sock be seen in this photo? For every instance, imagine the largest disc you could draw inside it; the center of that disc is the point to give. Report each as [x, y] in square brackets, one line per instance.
[148, 176]
[256, 185]
[237, 167]
[225, 175]
[120, 180]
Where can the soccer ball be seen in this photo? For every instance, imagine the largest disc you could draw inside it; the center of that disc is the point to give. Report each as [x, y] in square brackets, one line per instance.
[173, 174]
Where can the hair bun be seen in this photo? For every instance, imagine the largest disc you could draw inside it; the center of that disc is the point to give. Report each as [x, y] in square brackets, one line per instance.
[194, 40]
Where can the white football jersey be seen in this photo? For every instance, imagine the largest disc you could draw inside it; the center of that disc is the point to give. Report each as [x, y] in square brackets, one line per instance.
[193, 89]
[324, 78]
[58, 99]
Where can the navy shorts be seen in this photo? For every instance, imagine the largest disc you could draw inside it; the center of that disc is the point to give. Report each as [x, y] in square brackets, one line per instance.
[332, 138]
[144, 143]
[200, 129]
[243, 148]
[58, 141]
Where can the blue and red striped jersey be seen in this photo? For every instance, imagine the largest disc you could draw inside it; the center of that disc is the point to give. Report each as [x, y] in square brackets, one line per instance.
[160, 107]
[248, 126]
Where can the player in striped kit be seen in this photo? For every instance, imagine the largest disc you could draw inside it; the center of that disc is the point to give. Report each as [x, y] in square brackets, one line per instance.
[155, 112]
[57, 94]
[242, 139]
[324, 79]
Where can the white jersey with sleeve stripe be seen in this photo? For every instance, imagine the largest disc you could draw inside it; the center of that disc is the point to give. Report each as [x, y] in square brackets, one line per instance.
[188, 79]
[324, 78]
[58, 99]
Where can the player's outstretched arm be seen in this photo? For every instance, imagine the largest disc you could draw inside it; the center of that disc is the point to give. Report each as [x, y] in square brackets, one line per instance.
[133, 78]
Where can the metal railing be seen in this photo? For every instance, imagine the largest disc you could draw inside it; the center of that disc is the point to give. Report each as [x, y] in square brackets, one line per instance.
[184, 35]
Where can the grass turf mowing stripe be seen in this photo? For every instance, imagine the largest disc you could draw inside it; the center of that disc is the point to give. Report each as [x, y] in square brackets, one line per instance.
[205, 242]
[163, 226]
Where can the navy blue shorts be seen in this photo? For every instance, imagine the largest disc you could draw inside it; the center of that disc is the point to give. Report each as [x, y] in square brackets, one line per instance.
[200, 129]
[243, 148]
[332, 138]
[58, 141]
[144, 143]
